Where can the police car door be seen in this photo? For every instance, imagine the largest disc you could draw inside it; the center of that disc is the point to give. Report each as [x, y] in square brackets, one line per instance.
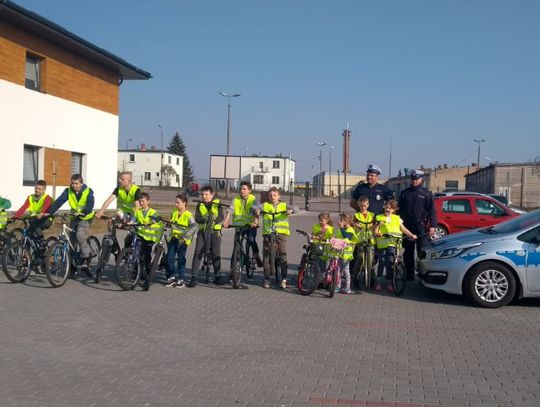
[532, 262]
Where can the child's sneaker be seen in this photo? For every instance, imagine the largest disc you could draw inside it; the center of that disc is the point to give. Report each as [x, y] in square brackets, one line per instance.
[180, 284]
[283, 283]
[171, 282]
[378, 287]
[266, 283]
[345, 291]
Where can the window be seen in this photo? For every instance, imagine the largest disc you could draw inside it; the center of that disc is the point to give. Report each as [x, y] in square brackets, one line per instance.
[457, 206]
[261, 165]
[177, 160]
[132, 158]
[76, 163]
[32, 76]
[258, 179]
[451, 185]
[275, 180]
[30, 165]
[170, 159]
[484, 207]
[275, 164]
[157, 174]
[147, 176]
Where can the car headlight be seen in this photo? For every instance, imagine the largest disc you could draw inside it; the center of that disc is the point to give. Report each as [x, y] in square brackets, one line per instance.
[452, 251]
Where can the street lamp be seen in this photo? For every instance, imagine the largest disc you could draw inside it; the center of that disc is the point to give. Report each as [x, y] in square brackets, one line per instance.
[478, 160]
[127, 143]
[234, 95]
[321, 144]
[330, 169]
[161, 169]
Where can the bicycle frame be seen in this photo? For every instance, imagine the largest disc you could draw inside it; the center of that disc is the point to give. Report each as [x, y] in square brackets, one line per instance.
[272, 236]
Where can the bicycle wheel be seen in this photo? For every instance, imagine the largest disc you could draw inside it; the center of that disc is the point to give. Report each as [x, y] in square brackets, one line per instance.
[274, 269]
[154, 267]
[334, 274]
[399, 279]
[236, 265]
[16, 262]
[104, 255]
[367, 267]
[309, 275]
[249, 261]
[58, 264]
[128, 269]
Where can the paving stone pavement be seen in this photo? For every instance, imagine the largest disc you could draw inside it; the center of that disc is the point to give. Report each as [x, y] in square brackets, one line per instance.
[95, 345]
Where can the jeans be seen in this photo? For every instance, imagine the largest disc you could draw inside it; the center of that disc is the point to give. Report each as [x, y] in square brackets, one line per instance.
[386, 260]
[80, 228]
[281, 255]
[176, 250]
[345, 275]
[251, 236]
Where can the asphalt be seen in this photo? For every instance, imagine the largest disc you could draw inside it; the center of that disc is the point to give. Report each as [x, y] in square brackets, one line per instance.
[94, 345]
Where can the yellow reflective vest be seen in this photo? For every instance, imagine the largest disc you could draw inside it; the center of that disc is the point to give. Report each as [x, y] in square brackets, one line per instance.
[363, 231]
[154, 230]
[126, 200]
[281, 221]
[78, 206]
[204, 213]
[180, 225]
[348, 252]
[243, 210]
[35, 206]
[392, 227]
[3, 218]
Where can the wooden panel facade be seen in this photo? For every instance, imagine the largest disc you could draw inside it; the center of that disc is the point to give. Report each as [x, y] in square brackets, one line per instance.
[58, 161]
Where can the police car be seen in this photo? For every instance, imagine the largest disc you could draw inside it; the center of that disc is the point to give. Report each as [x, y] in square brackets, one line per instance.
[491, 266]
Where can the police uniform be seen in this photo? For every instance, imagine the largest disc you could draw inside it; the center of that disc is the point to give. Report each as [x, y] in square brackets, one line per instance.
[417, 210]
[377, 195]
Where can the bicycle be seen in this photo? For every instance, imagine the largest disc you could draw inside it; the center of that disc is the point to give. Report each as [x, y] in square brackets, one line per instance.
[9, 236]
[309, 271]
[24, 255]
[399, 276]
[109, 245]
[241, 257]
[273, 247]
[63, 258]
[129, 265]
[362, 274]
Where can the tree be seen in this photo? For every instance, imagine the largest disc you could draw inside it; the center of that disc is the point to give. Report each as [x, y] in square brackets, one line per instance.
[176, 146]
[168, 173]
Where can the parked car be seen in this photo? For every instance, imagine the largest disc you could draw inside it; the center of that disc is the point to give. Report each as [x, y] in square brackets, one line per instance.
[457, 213]
[491, 266]
[501, 198]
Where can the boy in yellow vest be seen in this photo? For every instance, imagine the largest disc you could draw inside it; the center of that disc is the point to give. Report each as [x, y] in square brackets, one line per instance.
[37, 203]
[127, 196]
[243, 211]
[209, 207]
[151, 234]
[81, 202]
[184, 228]
[388, 223]
[283, 233]
[4, 205]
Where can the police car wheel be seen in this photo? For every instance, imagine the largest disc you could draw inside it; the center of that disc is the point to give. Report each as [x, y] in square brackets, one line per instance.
[490, 285]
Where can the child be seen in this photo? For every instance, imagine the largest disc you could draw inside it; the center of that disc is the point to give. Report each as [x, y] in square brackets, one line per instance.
[345, 232]
[150, 234]
[282, 228]
[4, 204]
[322, 231]
[209, 206]
[183, 228]
[36, 203]
[389, 223]
[363, 219]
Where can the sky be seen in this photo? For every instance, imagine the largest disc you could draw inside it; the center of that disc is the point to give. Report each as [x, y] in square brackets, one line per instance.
[423, 77]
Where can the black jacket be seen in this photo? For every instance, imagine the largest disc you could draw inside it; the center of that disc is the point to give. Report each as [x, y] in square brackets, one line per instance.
[417, 210]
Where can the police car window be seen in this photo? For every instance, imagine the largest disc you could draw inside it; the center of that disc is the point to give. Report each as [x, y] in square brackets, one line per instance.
[485, 207]
[457, 206]
[530, 236]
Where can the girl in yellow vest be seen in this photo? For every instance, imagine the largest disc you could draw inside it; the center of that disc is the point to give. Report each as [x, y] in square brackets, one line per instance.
[184, 228]
[345, 232]
[388, 223]
[322, 231]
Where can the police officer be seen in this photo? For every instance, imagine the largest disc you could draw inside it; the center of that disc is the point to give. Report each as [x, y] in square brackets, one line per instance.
[418, 213]
[377, 193]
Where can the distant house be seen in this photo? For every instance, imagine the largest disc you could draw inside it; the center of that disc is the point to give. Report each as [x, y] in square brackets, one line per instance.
[146, 166]
[519, 182]
[262, 171]
[60, 101]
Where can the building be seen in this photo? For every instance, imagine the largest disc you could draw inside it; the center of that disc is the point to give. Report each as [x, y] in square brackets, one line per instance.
[262, 171]
[60, 101]
[439, 179]
[520, 183]
[332, 184]
[146, 166]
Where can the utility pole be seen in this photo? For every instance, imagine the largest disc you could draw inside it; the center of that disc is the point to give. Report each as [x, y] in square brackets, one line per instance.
[161, 169]
[478, 158]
